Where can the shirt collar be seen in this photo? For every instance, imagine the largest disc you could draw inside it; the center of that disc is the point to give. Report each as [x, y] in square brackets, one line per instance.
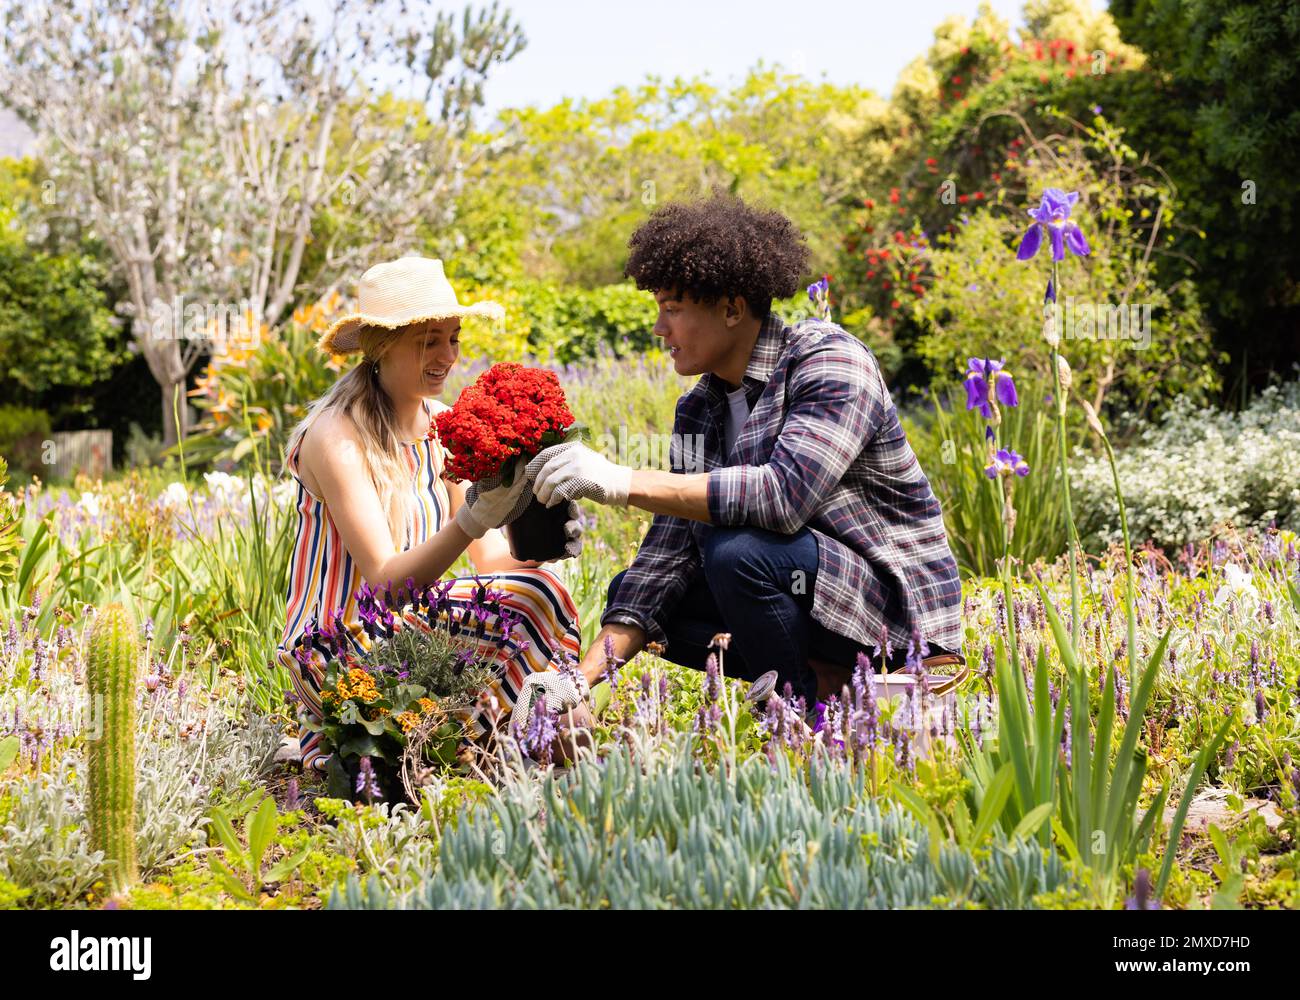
[762, 360]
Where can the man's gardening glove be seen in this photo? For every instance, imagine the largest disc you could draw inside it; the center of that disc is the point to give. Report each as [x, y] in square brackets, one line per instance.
[571, 470]
[488, 504]
[562, 692]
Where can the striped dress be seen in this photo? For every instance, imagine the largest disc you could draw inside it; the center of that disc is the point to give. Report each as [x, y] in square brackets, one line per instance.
[323, 578]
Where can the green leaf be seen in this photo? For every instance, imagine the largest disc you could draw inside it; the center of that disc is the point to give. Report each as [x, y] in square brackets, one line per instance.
[8, 752]
[233, 883]
[1063, 835]
[279, 871]
[1180, 817]
[600, 698]
[995, 800]
[1028, 826]
[261, 828]
[227, 834]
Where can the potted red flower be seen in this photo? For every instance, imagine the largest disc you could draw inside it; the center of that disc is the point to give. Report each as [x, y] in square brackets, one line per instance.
[509, 411]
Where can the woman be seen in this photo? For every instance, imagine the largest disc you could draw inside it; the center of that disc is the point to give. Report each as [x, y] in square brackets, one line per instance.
[373, 505]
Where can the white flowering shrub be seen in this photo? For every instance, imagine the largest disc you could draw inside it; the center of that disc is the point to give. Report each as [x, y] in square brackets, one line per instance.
[1197, 468]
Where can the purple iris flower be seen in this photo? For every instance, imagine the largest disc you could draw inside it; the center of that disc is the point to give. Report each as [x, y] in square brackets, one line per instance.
[1053, 215]
[819, 287]
[980, 372]
[1006, 462]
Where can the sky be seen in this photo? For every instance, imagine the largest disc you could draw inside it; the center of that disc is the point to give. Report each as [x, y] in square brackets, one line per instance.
[585, 48]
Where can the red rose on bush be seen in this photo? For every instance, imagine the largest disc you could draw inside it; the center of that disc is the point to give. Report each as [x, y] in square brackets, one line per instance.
[509, 410]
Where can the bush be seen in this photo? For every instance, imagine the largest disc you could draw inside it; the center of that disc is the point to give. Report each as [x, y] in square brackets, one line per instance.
[1197, 468]
[22, 430]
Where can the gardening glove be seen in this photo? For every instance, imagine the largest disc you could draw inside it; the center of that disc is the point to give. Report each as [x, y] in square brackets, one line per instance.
[573, 531]
[562, 692]
[488, 504]
[571, 470]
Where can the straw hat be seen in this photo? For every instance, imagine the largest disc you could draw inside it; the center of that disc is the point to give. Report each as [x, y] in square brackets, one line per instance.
[408, 290]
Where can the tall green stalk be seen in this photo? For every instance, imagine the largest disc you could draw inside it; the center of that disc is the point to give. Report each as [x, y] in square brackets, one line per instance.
[1061, 395]
[1130, 593]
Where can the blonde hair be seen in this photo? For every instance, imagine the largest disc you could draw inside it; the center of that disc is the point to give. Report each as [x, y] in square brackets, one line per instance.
[360, 395]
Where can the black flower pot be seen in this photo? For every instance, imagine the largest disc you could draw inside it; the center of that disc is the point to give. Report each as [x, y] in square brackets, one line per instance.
[538, 533]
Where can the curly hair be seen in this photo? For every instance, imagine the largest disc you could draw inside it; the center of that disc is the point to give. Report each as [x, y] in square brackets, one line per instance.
[717, 248]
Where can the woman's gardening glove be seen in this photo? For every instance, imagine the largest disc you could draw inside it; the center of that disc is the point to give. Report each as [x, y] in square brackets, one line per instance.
[488, 504]
[562, 692]
[571, 470]
[573, 531]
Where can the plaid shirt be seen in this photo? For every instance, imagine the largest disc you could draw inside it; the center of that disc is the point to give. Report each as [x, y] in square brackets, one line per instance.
[823, 448]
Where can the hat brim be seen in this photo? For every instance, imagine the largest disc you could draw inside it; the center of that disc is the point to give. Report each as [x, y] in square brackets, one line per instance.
[343, 335]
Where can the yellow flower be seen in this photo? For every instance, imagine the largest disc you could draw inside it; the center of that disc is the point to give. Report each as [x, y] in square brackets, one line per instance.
[407, 720]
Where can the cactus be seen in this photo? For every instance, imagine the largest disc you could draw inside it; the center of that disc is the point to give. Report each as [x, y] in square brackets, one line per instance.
[112, 669]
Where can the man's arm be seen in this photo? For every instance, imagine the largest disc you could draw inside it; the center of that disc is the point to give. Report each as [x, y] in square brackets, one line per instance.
[837, 403]
[679, 494]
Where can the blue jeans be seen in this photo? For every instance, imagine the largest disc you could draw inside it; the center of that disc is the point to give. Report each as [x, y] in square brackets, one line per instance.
[757, 585]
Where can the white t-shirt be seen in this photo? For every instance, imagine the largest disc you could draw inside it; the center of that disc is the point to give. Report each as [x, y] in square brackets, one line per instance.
[737, 414]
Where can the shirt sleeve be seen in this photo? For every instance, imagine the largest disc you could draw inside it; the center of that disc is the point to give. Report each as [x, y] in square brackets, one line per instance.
[663, 568]
[668, 558]
[836, 404]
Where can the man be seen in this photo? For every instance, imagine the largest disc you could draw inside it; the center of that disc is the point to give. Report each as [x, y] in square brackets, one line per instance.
[813, 533]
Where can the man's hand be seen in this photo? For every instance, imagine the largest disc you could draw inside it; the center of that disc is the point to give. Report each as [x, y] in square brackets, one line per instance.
[571, 470]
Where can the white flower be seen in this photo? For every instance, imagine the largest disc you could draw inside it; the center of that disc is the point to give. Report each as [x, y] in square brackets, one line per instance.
[284, 492]
[175, 495]
[89, 503]
[1238, 585]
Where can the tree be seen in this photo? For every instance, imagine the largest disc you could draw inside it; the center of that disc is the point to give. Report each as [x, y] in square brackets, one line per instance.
[203, 147]
[1220, 114]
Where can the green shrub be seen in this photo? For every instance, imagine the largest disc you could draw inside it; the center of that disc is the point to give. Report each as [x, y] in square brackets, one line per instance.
[1197, 468]
[22, 432]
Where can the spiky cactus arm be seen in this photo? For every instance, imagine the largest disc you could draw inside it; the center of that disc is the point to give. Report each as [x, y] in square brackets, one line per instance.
[111, 677]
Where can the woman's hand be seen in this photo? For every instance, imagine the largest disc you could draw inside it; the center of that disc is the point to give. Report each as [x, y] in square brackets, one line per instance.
[491, 508]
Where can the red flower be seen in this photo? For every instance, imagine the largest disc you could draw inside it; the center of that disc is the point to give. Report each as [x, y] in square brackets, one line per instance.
[509, 410]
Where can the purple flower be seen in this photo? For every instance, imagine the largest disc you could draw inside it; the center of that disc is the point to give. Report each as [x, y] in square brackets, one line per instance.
[1141, 898]
[818, 288]
[539, 732]
[367, 783]
[1053, 215]
[983, 374]
[1050, 296]
[1004, 463]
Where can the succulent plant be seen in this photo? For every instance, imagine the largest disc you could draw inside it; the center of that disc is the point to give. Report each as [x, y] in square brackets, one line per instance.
[626, 832]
